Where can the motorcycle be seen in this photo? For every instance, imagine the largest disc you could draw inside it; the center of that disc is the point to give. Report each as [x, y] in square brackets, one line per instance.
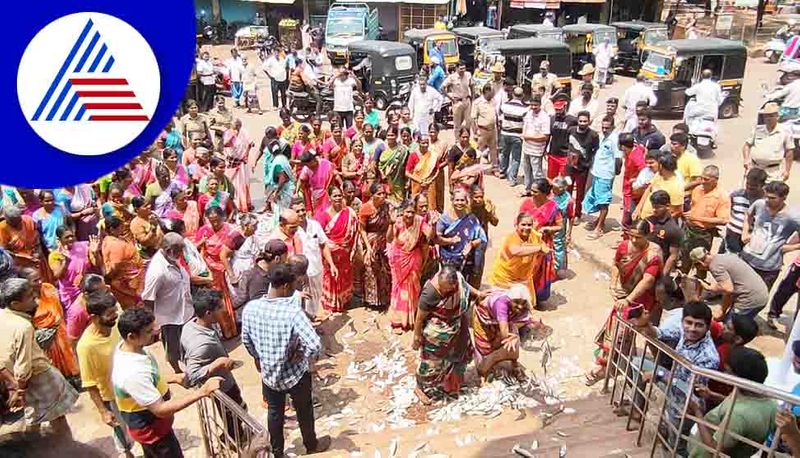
[269, 45]
[702, 129]
[396, 104]
[303, 106]
[444, 116]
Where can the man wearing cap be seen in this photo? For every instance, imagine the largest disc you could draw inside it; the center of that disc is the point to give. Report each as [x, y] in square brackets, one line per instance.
[603, 53]
[502, 94]
[435, 51]
[437, 76]
[546, 79]
[770, 147]
[255, 282]
[587, 75]
[789, 94]
[458, 88]
[710, 210]
[512, 115]
[423, 102]
[640, 91]
[743, 291]
[559, 137]
[484, 118]
[585, 102]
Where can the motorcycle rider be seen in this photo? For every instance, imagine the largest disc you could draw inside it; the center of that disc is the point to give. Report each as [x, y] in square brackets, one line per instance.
[708, 98]
[437, 76]
[787, 95]
[304, 79]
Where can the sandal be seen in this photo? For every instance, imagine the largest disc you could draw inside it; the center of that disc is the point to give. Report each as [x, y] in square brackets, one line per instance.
[592, 378]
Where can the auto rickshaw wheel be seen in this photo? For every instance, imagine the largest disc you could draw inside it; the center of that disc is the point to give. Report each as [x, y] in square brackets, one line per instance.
[381, 103]
[727, 110]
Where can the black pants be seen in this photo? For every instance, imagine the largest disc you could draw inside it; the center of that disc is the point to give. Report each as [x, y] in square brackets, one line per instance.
[207, 93]
[732, 243]
[278, 87]
[786, 289]
[769, 276]
[301, 400]
[346, 117]
[166, 447]
[171, 340]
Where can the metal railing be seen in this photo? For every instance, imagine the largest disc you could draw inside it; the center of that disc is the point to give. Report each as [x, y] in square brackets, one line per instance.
[228, 430]
[672, 417]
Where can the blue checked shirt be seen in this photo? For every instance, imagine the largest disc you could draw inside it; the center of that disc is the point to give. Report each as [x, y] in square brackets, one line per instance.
[702, 353]
[275, 331]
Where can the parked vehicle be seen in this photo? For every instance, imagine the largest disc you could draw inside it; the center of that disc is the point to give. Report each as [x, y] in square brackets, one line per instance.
[521, 58]
[249, 36]
[535, 31]
[673, 66]
[582, 38]
[422, 40]
[632, 36]
[289, 34]
[348, 23]
[391, 71]
[303, 106]
[472, 42]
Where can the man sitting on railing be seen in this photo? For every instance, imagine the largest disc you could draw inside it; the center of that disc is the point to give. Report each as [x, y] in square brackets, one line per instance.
[751, 415]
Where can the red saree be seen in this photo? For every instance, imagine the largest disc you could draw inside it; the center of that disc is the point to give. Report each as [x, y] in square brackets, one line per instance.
[544, 267]
[405, 261]
[341, 229]
[212, 254]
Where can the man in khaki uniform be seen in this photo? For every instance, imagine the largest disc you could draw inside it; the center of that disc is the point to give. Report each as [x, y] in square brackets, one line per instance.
[458, 88]
[484, 118]
[549, 81]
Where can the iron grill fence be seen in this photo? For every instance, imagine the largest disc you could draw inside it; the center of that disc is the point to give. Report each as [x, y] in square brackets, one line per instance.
[228, 430]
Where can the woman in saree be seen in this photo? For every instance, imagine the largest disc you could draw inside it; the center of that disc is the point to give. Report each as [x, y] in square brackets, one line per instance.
[374, 220]
[430, 254]
[459, 234]
[424, 171]
[547, 222]
[184, 210]
[354, 132]
[392, 167]
[407, 239]
[352, 168]
[142, 172]
[177, 172]
[217, 241]
[124, 268]
[495, 324]
[317, 176]
[117, 205]
[194, 123]
[371, 115]
[237, 145]
[79, 201]
[50, 327]
[407, 139]
[49, 218]
[318, 133]
[173, 137]
[289, 129]
[636, 268]
[373, 148]
[340, 224]
[335, 147]
[515, 259]
[244, 257]
[462, 162]
[563, 239]
[215, 197]
[30, 201]
[162, 182]
[303, 144]
[441, 333]
[280, 182]
[71, 261]
[438, 152]
[21, 240]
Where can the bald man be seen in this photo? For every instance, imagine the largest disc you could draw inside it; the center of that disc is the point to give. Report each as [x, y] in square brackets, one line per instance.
[167, 293]
[288, 223]
[707, 97]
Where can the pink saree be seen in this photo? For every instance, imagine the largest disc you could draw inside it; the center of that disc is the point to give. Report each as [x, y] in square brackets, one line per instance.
[237, 149]
[405, 261]
[315, 186]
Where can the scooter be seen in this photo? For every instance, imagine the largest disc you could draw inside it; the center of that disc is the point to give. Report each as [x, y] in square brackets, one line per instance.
[702, 129]
[774, 48]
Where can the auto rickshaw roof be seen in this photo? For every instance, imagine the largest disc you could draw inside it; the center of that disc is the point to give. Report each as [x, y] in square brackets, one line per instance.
[421, 34]
[528, 44]
[535, 28]
[587, 28]
[701, 46]
[639, 25]
[382, 48]
[477, 32]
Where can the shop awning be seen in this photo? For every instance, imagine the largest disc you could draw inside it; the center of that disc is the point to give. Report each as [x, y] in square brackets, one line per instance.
[278, 2]
[536, 4]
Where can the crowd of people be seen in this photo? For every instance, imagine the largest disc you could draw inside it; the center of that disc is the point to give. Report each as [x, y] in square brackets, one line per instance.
[171, 247]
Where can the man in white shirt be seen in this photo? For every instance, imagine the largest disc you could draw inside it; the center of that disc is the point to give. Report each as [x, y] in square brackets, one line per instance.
[167, 293]
[343, 87]
[707, 95]
[535, 135]
[208, 81]
[276, 68]
[603, 53]
[315, 248]
[640, 91]
[423, 102]
[236, 71]
[586, 102]
[789, 94]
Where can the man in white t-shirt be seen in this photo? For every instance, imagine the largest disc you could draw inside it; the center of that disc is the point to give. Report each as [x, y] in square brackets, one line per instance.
[208, 81]
[235, 68]
[586, 102]
[535, 135]
[276, 67]
[315, 248]
[343, 96]
[603, 53]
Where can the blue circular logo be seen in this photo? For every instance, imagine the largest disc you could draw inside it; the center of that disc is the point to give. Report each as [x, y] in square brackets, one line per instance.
[95, 85]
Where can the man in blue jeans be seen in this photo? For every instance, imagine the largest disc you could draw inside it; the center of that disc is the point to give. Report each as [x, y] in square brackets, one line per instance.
[512, 115]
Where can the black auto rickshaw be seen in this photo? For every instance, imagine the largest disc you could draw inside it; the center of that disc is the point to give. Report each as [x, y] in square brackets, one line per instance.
[521, 58]
[389, 73]
[673, 66]
[424, 39]
[632, 36]
[472, 42]
[535, 31]
[582, 39]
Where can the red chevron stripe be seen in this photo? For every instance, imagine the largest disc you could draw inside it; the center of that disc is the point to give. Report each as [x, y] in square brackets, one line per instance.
[98, 81]
[106, 94]
[112, 106]
[119, 118]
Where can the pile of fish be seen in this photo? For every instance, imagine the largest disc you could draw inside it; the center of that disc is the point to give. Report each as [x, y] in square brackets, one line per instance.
[490, 400]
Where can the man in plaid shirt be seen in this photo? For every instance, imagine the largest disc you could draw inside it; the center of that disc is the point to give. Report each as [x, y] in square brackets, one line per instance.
[279, 336]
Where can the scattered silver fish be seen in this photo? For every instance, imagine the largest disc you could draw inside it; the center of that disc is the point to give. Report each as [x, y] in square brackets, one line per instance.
[522, 452]
[562, 452]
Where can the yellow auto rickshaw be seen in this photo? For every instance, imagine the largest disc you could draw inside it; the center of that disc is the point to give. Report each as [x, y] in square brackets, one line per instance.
[423, 41]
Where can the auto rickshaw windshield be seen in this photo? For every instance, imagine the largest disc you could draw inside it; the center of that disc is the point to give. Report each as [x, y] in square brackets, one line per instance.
[657, 63]
[403, 63]
[611, 35]
[652, 37]
[449, 47]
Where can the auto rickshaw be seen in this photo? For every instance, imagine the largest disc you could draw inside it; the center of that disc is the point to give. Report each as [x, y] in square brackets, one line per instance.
[535, 31]
[289, 34]
[249, 36]
[521, 58]
[424, 39]
[673, 66]
[391, 72]
[632, 36]
[472, 43]
[582, 38]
